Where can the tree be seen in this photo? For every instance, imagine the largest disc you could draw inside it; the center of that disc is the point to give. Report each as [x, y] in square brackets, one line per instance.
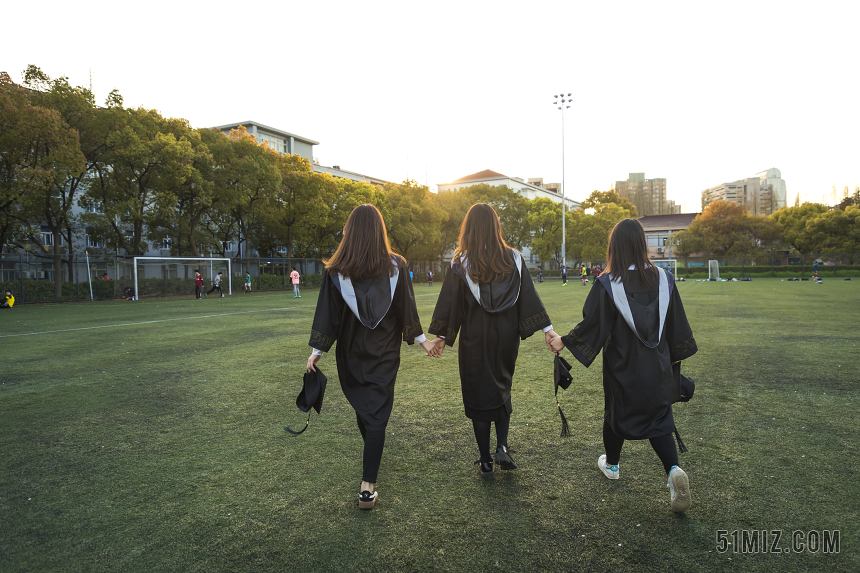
[832, 232]
[247, 178]
[297, 202]
[138, 178]
[727, 229]
[545, 223]
[41, 155]
[588, 235]
[339, 197]
[603, 197]
[686, 243]
[413, 220]
[794, 221]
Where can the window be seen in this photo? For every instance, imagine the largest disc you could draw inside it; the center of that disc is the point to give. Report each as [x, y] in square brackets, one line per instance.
[166, 242]
[46, 239]
[94, 244]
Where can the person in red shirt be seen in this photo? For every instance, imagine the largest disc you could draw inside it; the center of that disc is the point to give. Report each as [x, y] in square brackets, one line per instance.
[198, 284]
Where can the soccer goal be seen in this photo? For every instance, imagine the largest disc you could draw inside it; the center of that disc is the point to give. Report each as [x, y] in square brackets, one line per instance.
[671, 264]
[713, 270]
[164, 270]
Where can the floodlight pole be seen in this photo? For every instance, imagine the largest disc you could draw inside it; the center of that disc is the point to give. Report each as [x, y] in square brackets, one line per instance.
[563, 188]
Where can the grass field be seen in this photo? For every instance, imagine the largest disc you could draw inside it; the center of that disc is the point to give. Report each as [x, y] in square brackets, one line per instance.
[149, 436]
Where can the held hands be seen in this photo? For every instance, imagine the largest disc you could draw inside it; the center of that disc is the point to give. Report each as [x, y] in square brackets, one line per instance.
[313, 359]
[434, 347]
[555, 344]
[548, 336]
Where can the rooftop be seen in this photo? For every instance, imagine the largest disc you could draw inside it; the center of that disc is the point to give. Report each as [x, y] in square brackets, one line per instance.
[274, 130]
[485, 174]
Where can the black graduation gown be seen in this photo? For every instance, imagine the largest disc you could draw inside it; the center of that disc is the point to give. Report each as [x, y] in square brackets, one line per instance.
[637, 380]
[367, 358]
[490, 333]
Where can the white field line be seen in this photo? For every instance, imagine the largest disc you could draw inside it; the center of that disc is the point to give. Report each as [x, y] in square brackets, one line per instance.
[165, 320]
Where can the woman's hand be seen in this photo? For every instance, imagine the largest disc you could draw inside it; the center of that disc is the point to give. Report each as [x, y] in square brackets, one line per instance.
[548, 336]
[429, 347]
[556, 344]
[313, 359]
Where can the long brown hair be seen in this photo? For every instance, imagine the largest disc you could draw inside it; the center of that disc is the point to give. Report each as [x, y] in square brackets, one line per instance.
[364, 250]
[627, 247]
[490, 257]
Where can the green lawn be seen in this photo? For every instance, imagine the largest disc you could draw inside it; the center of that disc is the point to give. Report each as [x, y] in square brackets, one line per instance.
[149, 436]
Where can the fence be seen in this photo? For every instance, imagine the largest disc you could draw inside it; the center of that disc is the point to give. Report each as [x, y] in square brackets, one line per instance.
[31, 278]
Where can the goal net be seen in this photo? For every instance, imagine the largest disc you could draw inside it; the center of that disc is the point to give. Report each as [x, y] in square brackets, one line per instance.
[162, 276]
[713, 270]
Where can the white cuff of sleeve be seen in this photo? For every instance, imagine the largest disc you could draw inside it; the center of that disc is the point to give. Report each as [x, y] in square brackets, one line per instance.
[421, 338]
[547, 329]
[442, 337]
[316, 352]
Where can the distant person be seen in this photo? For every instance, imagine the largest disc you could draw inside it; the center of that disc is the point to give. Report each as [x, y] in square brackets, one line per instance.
[295, 278]
[596, 272]
[540, 275]
[248, 283]
[129, 293]
[216, 285]
[105, 277]
[583, 274]
[429, 277]
[410, 277]
[198, 284]
[8, 300]
[816, 268]
[563, 275]
[635, 316]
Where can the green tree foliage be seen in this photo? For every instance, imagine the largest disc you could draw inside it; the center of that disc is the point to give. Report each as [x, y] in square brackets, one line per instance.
[545, 223]
[835, 231]
[587, 234]
[44, 168]
[727, 229]
[413, 220]
[606, 197]
[794, 221]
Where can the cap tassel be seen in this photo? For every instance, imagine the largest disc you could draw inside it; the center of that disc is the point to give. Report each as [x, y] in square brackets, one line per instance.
[565, 427]
[681, 447]
[295, 433]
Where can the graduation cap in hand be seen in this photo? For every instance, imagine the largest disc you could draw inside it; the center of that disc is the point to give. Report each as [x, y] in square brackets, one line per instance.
[311, 396]
[561, 377]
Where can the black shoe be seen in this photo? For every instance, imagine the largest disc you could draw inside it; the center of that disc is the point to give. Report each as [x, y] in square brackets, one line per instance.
[504, 460]
[486, 469]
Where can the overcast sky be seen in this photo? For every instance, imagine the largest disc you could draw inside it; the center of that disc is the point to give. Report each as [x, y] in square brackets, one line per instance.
[698, 93]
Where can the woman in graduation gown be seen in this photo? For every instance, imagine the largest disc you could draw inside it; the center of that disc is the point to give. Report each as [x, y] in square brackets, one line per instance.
[490, 300]
[638, 373]
[367, 305]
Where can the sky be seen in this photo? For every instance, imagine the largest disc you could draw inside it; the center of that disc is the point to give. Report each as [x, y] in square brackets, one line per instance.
[697, 93]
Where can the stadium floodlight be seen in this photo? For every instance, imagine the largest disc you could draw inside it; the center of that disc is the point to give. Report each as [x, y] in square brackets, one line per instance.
[713, 270]
[563, 188]
[180, 260]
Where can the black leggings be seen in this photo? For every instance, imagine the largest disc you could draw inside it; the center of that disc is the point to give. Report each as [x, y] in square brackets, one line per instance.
[374, 442]
[663, 445]
[482, 436]
[214, 288]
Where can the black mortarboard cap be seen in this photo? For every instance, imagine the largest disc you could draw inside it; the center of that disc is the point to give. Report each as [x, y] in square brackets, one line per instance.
[561, 377]
[311, 396]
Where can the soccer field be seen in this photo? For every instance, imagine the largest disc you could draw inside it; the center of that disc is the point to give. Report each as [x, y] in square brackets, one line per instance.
[149, 436]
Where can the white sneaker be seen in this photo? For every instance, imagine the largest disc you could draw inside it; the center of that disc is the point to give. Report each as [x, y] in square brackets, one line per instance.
[612, 472]
[679, 487]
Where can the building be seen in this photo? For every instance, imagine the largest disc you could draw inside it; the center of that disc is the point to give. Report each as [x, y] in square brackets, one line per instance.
[647, 195]
[531, 189]
[760, 195]
[280, 141]
[659, 229]
[286, 142]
